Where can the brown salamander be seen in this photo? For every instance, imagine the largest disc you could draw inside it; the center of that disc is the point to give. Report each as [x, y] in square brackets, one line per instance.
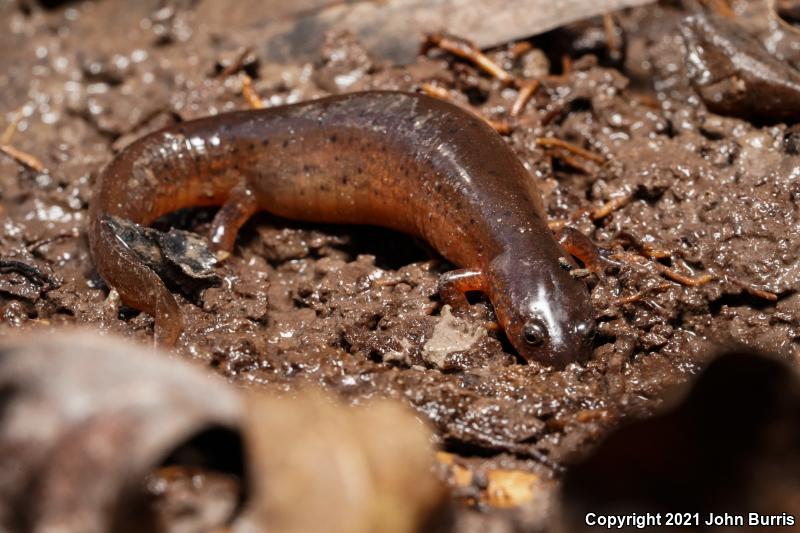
[403, 161]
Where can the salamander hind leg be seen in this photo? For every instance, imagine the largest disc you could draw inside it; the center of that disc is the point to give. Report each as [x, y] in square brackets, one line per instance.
[454, 285]
[138, 286]
[239, 207]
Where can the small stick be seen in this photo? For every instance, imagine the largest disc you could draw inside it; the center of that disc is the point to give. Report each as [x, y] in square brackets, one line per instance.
[236, 65]
[611, 206]
[635, 297]
[8, 133]
[655, 253]
[467, 50]
[23, 158]
[566, 65]
[553, 142]
[558, 224]
[612, 39]
[554, 113]
[519, 49]
[721, 7]
[566, 70]
[574, 163]
[525, 94]
[250, 94]
[436, 91]
[667, 272]
[580, 273]
[492, 325]
[647, 101]
[645, 249]
[500, 126]
[682, 278]
[755, 291]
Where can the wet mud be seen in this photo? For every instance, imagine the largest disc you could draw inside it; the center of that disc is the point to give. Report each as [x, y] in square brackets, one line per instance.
[697, 212]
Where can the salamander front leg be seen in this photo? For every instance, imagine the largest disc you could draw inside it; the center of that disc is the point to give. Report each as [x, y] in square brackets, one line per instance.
[454, 285]
[580, 246]
[239, 207]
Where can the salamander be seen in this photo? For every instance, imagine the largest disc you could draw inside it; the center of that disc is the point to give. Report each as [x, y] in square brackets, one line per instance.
[403, 161]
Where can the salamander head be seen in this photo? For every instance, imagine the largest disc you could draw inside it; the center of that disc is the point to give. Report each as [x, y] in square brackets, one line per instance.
[545, 312]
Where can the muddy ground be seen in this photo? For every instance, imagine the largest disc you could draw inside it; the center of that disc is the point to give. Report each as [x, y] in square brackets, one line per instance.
[355, 309]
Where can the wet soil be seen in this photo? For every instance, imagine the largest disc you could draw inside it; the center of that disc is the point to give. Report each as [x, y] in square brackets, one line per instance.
[354, 309]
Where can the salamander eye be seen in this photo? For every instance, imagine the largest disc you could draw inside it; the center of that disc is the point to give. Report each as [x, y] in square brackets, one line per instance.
[587, 329]
[534, 332]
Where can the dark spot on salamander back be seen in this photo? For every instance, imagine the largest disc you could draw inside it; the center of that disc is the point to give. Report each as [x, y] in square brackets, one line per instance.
[333, 138]
[285, 143]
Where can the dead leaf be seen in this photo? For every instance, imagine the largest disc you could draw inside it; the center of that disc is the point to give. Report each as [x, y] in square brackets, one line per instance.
[394, 29]
[320, 465]
[178, 256]
[504, 488]
[85, 418]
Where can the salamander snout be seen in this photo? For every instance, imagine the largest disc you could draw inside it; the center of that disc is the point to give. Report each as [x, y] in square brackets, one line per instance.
[546, 314]
[586, 329]
[556, 344]
[534, 332]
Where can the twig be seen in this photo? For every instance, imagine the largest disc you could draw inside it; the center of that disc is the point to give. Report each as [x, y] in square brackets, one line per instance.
[566, 70]
[635, 297]
[682, 278]
[574, 163]
[437, 92]
[250, 94]
[721, 7]
[558, 224]
[553, 142]
[236, 65]
[467, 50]
[557, 109]
[667, 272]
[500, 126]
[611, 206]
[645, 249]
[525, 94]
[23, 158]
[755, 291]
[612, 39]
[8, 133]
[519, 49]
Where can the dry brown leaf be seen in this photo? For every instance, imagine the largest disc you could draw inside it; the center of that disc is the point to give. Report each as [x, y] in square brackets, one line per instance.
[504, 489]
[320, 465]
[511, 488]
[394, 29]
[85, 418]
